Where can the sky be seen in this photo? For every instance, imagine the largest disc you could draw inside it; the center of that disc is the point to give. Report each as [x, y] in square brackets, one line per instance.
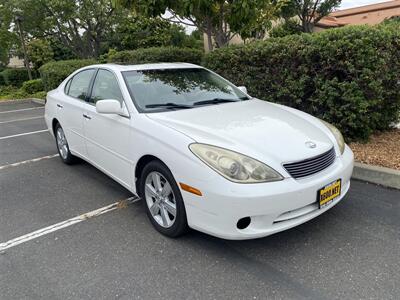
[354, 3]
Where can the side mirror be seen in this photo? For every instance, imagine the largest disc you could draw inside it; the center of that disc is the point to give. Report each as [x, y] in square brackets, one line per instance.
[110, 106]
[243, 89]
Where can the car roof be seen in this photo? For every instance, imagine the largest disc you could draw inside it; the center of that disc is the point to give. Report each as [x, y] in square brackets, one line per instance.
[121, 68]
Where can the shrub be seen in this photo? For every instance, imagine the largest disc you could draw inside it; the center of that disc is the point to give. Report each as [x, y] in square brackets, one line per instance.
[53, 73]
[15, 77]
[159, 54]
[11, 93]
[347, 76]
[4, 90]
[39, 95]
[32, 86]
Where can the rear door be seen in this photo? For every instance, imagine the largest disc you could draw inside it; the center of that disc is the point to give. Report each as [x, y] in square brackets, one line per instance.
[70, 110]
[108, 136]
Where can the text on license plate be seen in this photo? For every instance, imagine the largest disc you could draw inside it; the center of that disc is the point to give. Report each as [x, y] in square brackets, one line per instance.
[328, 193]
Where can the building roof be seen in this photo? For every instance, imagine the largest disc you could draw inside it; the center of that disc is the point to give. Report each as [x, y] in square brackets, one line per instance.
[367, 14]
[366, 8]
[330, 21]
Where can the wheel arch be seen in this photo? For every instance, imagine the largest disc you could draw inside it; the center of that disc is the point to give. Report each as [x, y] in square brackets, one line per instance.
[142, 162]
[54, 122]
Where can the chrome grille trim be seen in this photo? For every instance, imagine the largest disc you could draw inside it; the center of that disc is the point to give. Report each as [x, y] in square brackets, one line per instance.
[311, 165]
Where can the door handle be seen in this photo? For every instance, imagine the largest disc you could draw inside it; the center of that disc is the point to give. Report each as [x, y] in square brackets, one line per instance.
[59, 105]
[87, 117]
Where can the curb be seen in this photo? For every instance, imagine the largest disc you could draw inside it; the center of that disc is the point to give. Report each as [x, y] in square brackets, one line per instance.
[38, 101]
[35, 100]
[15, 101]
[376, 174]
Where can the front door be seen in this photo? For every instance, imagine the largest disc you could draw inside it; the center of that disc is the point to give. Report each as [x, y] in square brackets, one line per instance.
[108, 136]
[71, 107]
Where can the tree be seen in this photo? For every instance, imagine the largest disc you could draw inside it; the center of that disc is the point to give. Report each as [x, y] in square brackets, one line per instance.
[8, 39]
[40, 52]
[288, 27]
[82, 26]
[142, 32]
[60, 51]
[310, 12]
[221, 20]
[259, 19]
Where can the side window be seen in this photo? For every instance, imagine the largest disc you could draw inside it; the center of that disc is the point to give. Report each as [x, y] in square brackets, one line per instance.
[66, 88]
[79, 86]
[105, 87]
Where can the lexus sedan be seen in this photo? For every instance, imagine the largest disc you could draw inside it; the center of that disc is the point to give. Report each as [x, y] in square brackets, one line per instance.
[199, 151]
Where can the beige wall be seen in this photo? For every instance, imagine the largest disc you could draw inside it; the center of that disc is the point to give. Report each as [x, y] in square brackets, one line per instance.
[236, 40]
[16, 62]
[318, 29]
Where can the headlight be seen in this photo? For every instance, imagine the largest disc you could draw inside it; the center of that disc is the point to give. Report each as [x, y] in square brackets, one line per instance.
[338, 136]
[234, 166]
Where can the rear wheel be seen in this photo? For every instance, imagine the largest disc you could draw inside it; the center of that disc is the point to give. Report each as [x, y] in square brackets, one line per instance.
[62, 146]
[164, 203]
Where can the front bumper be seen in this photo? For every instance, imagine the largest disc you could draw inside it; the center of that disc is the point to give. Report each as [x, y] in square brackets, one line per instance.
[272, 207]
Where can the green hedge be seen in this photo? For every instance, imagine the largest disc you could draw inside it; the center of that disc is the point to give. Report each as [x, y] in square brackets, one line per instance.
[348, 76]
[53, 73]
[157, 54]
[2, 82]
[14, 77]
[32, 86]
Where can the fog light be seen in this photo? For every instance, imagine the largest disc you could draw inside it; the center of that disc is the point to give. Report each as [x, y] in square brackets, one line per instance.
[243, 223]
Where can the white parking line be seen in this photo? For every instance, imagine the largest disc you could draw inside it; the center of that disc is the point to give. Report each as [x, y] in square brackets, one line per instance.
[44, 231]
[26, 119]
[21, 134]
[27, 161]
[22, 109]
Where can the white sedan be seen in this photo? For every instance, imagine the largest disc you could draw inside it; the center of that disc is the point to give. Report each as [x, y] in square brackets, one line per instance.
[199, 151]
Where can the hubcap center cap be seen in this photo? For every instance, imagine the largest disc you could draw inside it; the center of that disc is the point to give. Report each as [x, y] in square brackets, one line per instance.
[159, 199]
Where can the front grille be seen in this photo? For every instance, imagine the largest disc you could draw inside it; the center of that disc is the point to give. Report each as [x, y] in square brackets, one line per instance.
[311, 165]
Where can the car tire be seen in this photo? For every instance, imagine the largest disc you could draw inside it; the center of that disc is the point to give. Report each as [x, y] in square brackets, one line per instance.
[62, 146]
[160, 193]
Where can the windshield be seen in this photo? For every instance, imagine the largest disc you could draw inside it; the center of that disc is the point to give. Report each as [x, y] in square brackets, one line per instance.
[166, 89]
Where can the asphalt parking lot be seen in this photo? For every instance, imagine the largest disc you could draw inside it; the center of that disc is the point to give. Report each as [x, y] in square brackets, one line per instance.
[350, 252]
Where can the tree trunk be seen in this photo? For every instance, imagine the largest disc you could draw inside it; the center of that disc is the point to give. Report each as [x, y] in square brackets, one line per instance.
[209, 42]
[221, 38]
[208, 32]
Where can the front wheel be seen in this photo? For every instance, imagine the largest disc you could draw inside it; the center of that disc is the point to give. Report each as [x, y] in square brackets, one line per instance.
[164, 203]
[62, 146]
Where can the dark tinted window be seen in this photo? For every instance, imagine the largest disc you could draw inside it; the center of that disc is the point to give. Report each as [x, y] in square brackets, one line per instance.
[178, 86]
[80, 84]
[105, 87]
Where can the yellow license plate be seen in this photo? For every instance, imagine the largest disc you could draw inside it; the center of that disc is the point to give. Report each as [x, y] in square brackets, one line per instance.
[328, 193]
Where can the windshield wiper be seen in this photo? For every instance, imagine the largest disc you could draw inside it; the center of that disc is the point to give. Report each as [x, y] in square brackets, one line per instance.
[168, 105]
[216, 101]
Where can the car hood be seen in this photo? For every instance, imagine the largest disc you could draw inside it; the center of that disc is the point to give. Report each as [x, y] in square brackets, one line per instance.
[259, 129]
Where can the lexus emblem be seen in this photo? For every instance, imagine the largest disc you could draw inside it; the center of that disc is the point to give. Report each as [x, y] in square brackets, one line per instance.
[311, 144]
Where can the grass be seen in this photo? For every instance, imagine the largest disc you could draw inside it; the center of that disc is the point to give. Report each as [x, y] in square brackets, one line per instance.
[14, 93]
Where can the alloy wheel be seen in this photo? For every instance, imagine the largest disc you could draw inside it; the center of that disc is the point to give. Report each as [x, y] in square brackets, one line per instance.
[160, 199]
[62, 143]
